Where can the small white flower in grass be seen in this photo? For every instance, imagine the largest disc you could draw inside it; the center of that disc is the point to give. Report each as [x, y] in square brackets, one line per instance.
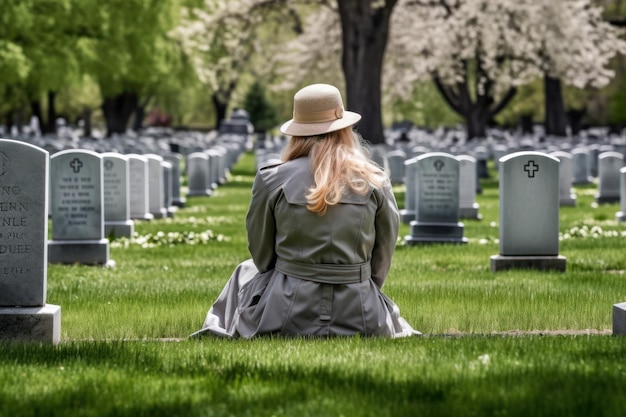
[493, 224]
[594, 205]
[483, 241]
[484, 359]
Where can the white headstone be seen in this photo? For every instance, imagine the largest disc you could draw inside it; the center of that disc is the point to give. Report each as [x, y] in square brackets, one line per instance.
[138, 186]
[117, 221]
[621, 214]
[468, 207]
[198, 174]
[437, 201]
[394, 165]
[407, 214]
[156, 188]
[24, 314]
[529, 212]
[609, 164]
[77, 209]
[567, 197]
[580, 166]
[176, 159]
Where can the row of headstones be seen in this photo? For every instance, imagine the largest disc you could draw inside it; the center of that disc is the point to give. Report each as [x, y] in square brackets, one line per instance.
[77, 189]
[94, 196]
[529, 199]
[574, 169]
[440, 190]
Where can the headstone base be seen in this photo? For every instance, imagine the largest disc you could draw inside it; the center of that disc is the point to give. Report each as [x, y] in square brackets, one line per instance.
[119, 229]
[470, 212]
[619, 319]
[501, 262]
[161, 214]
[407, 216]
[620, 216]
[430, 232]
[90, 252]
[179, 201]
[607, 199]
[31, 324]
[145, 216]
[171, 210]
[566, 201]
[200, 193]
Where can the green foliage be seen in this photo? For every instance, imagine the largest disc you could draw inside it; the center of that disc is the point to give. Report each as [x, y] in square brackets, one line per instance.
[425, 108]
[262, 112]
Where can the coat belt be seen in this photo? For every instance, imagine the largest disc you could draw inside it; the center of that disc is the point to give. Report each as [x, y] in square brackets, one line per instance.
[326, 273]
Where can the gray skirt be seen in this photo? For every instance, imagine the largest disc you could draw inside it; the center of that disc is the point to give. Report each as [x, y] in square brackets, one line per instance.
[254, 303]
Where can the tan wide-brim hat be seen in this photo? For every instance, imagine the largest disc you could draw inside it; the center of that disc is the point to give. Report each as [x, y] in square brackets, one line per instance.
[318, 109]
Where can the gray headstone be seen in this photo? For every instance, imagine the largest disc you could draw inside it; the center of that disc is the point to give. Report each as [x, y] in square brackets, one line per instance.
[117, 221]
[394, 165]
[529, 212]
[621, 214]
[437, 201]
[24, 221]
[219, 164]
[619, 319]
[167, 189]
[468, 207]
[609, 164]
[566, 178]
[77, 209]
[138, 185]
[580, 166]
[592, 161]
[407, 214]
[481, 153]
[176, 159]
[156, 188]
[198, 175]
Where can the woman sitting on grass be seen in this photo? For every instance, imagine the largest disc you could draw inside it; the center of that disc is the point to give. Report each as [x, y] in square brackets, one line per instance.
[322, 228]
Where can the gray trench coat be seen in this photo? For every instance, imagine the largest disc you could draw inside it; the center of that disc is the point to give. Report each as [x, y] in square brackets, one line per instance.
[311, 275]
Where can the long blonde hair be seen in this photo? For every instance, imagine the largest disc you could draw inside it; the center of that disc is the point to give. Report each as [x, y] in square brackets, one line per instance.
[340, 162]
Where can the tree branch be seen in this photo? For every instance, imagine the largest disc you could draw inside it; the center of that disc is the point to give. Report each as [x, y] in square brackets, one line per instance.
[448, 94]
[504, 101]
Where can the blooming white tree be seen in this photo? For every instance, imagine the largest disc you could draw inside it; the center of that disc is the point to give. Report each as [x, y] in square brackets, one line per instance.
[478, 52]
[220, 39]
[363, 29]
[576, 48]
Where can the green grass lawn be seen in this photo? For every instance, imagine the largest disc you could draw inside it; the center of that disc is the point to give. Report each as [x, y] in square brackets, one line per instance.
[512, 343]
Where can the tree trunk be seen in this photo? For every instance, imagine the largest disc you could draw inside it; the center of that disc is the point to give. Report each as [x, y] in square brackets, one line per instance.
[87, 122]
[364, 38]
[220, 109]
[575, 120]
[36, 110]
[118, 110]
[140, 111]
[476, 124]
[51, 125]
[556, 120]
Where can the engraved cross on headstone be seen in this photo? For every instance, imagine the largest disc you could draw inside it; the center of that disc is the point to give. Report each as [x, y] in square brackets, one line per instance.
[531, 168]
[76, 165]
[438, 164]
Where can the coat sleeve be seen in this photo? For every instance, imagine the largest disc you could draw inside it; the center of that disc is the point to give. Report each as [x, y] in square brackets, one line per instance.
[387, 222]
[261, 227]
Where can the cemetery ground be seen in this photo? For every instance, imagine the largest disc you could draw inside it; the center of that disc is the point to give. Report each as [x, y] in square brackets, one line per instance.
[513, 343]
